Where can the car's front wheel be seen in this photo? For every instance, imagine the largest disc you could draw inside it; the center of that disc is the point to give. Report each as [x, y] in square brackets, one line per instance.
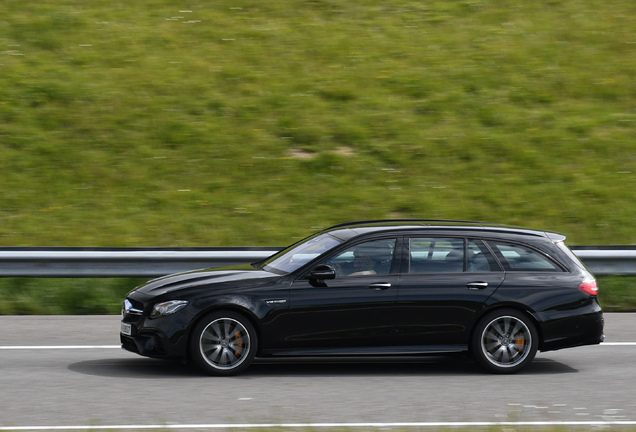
[223, 343]
[505, 341]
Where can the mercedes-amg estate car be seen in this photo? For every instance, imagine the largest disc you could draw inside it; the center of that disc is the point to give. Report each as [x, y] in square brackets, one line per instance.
[394, 287]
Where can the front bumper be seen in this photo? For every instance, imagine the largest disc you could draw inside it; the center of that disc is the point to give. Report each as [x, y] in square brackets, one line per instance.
[160, 338]
[149, 346]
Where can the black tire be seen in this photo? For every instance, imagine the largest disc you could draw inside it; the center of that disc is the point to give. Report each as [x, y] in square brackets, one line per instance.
[504, 341]
[223, 343]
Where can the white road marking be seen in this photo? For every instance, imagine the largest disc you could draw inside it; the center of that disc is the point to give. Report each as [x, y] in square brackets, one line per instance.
[321, 425]
[619, 343]
[48, 347]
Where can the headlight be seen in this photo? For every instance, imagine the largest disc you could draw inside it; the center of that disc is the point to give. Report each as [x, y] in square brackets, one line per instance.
[167, 308]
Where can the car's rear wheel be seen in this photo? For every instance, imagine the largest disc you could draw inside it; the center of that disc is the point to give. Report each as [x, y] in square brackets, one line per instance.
[223, 343]
[505, 341]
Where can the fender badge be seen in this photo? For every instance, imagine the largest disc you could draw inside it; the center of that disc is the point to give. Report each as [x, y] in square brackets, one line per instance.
[276, 301]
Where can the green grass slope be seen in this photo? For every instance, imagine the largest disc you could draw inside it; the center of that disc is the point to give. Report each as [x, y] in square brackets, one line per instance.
[250, 122]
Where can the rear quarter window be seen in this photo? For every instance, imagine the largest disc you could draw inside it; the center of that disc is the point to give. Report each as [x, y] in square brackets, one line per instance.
[515, 257]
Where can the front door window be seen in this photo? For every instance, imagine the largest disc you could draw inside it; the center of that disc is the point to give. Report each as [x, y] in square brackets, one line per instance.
[365, 259]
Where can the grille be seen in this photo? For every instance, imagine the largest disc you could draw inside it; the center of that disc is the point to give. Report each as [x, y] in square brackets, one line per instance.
[131, 308]
[136, 304]
[129, 345]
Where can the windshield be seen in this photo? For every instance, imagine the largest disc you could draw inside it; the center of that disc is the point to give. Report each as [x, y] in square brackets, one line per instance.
[293, 258]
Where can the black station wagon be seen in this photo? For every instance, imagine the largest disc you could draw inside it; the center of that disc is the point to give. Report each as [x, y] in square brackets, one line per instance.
[376, 288]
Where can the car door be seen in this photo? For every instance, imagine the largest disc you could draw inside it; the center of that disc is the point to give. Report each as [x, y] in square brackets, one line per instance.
[351, 313]
[445, 281]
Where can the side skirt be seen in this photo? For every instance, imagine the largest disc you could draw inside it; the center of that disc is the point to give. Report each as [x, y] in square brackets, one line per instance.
[368, 351]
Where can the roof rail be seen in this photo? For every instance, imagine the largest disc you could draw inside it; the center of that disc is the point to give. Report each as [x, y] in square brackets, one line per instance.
[421, 221]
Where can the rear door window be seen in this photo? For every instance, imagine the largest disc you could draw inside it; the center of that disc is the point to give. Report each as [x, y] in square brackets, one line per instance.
[479, 258]
[436, 255]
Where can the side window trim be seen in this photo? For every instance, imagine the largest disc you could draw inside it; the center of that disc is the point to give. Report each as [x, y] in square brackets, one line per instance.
[399, 254]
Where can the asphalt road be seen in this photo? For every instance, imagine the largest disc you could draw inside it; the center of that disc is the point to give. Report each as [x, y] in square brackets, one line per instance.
[68, 371]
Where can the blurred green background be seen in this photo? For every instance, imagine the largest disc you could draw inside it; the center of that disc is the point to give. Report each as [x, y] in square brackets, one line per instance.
[251, 123]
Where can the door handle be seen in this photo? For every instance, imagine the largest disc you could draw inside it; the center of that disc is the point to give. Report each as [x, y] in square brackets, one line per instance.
[477, 285]
[380, 286]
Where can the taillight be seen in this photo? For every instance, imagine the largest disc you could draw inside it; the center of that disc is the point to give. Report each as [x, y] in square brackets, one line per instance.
[589, 286]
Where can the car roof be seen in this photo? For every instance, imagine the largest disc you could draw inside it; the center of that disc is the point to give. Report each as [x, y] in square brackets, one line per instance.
[351, 229]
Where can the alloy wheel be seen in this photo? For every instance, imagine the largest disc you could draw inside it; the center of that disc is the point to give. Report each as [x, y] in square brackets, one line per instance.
[225, 343]
[506, 341]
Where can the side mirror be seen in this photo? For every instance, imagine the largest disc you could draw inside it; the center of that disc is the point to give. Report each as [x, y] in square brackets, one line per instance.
[322, 272]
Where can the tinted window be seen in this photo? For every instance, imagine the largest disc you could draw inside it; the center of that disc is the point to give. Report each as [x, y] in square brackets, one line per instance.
[515, 257]
[436, 255]
[479, 259]
[365, 259]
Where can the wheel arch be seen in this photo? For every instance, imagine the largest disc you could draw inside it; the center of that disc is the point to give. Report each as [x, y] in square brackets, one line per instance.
[230, 306]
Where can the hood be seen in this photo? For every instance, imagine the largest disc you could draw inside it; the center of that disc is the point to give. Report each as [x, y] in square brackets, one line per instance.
[199, 278]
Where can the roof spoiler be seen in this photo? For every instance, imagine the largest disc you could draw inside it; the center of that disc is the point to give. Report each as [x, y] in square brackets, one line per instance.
[555, 237]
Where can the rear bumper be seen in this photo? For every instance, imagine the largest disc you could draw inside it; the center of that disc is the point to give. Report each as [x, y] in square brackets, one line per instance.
[572, 331]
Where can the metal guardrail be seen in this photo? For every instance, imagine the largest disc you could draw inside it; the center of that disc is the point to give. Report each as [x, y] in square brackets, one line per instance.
[120, 262]
[153, 262]
[608, 260]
